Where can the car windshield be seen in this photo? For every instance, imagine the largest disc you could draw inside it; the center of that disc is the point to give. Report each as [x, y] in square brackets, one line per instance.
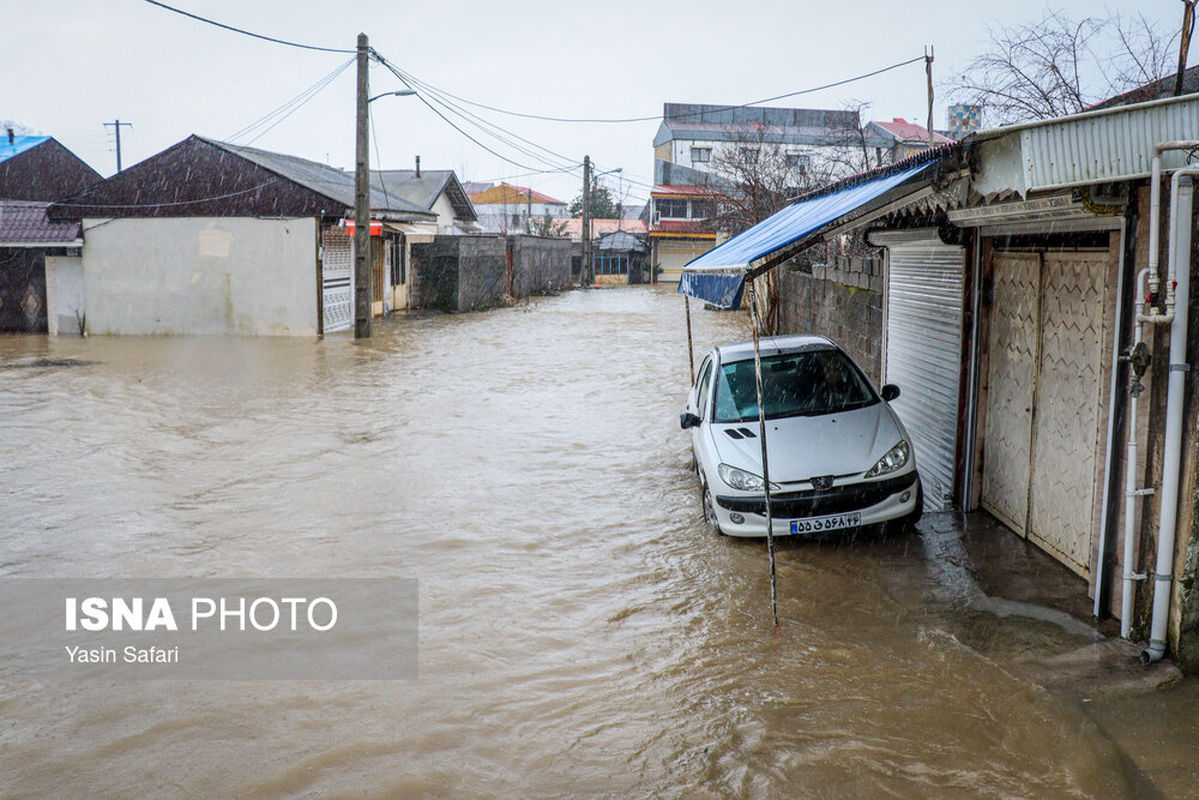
[795, 384]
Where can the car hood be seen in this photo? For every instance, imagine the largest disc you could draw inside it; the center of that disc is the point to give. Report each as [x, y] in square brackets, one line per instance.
[800, 448]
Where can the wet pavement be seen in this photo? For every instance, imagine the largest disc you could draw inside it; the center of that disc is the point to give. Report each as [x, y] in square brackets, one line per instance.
[581, 632]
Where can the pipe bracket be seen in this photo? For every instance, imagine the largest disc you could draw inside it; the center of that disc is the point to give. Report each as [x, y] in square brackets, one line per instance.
[1157, 576]
[1180, 367]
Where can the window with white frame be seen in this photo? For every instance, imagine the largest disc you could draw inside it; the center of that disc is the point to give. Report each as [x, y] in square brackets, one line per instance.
[701, 155]
[670, 207]
[749, 155]
[798, 160]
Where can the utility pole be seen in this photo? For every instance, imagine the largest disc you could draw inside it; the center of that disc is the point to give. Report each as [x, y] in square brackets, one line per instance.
[585, 268]
[116, 125]
[928, 69]
[1184, 42]
[362, 202]
[528, 210]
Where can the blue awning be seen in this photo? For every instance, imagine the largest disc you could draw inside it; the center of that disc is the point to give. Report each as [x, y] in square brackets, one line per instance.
[718, 276]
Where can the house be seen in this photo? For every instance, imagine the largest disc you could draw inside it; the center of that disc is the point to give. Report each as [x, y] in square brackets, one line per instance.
[438, 191]
[1009, 312]
[41, 279]
[682, 226]
[619, 259]
[38, 257]
[709, 138]
[904, 139]
[505, 208]
[39, 168]
[212, 238]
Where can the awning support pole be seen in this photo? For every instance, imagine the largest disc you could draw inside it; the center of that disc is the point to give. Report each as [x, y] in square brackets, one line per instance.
[774, 598]
[690, 348]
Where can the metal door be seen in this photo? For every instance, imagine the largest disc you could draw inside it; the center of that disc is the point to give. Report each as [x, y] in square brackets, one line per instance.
[924, 354]
[1015, 321]
[337, 265]
[1066, 430]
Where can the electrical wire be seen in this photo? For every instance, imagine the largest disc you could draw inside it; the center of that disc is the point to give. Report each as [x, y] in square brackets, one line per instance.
[198, 18]
[299, 102]
[622, 120]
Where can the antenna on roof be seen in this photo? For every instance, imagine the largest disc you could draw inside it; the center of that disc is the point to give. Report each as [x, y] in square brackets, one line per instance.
[418, 166]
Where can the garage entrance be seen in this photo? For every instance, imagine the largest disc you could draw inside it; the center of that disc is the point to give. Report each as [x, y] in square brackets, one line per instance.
[923, 351]
[1045, 408]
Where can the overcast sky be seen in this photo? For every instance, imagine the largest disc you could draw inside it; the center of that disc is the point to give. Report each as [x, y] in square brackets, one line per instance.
[71, 65]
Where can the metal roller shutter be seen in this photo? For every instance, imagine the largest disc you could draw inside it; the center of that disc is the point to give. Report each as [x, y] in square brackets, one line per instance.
[924, 351]
[337, 266]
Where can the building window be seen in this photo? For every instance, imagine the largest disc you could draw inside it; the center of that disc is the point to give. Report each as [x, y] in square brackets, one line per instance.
[798, 160]
[703, 209]
[670, 208]
[701, 155]
[749, 155]
[516, 220]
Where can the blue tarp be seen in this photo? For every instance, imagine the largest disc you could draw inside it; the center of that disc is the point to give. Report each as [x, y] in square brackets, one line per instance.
[20, 145]
[718, 276]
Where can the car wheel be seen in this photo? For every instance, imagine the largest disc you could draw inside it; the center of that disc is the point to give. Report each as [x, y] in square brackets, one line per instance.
[709, 505]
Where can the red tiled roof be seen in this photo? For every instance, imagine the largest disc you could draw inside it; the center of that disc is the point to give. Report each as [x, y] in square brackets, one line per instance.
[690, 191]
[25, 222]
[602, 227]
[906, 131]
[683, 226]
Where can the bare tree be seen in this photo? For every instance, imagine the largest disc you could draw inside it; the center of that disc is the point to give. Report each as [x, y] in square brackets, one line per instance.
[1057, 66]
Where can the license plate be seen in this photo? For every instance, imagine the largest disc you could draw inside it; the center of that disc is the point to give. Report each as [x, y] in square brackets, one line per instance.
[820, 524]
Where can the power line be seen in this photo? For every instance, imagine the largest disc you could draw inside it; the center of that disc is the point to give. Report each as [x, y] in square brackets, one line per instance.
[621, 120]
[247, 33]
[299, 102]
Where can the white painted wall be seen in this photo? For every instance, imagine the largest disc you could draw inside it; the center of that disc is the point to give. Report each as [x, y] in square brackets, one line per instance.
[820, 155]
[64, 294]
[200, 276]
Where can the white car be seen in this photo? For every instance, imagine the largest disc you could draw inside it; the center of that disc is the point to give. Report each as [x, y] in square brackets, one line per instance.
[839, 457]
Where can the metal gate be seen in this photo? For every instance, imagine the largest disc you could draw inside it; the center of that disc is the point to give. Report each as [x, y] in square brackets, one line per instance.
[924, 352]
[1043, 425]
[337, 291]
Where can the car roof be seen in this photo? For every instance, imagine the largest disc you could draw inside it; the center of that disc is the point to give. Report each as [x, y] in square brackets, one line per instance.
[773, 346]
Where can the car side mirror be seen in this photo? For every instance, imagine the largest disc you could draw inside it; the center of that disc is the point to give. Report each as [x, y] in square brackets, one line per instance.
[688, 420]
[890, 392]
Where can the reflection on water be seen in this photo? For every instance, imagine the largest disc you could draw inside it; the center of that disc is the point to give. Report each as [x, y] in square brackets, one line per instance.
[581, 631]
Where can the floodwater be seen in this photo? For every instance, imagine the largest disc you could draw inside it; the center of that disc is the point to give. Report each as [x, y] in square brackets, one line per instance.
[581, 632]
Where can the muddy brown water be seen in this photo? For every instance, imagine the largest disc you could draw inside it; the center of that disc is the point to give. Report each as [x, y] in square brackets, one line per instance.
[581, 633]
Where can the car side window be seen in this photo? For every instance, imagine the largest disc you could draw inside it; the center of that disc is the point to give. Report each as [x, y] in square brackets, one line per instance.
[705, 387]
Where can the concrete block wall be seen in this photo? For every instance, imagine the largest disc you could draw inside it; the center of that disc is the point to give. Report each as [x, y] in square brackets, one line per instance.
[842, 300]
[539, 265]
[458, 273]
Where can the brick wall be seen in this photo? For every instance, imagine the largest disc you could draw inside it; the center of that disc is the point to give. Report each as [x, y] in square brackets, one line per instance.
[842, 300]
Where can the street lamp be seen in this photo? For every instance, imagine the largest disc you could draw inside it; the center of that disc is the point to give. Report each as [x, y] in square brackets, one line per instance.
[396, 93]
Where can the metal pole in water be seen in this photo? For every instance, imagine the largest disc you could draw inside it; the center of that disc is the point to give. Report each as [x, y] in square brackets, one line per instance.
[690, 349]
[774, 597]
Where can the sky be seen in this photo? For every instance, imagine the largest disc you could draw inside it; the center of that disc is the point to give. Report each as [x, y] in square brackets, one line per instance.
[71, 65]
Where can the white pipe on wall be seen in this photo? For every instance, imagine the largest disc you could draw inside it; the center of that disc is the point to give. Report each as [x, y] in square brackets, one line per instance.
[1130, 488]
[1181, 203]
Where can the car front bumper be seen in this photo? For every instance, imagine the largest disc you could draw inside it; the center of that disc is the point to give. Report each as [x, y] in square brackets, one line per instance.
[876, 501]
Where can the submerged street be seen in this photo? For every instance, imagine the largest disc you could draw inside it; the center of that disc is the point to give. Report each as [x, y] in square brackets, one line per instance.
[581, 631]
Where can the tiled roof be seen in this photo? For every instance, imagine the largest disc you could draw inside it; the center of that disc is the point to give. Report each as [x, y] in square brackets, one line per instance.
[905, 131]
[507, 194]
[690, 191]
[681, 226]
[602, 227]
[25, 222]
[1154, 90]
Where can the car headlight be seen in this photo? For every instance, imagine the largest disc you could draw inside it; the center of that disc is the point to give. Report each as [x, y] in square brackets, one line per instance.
[895, 459]
[740, 479]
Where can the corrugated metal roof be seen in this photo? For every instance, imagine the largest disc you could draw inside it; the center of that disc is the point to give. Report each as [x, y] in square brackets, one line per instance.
[19, 145]
[424, 190]
[1113, 144]
[334, 183]
[25, 222]
[507, 194]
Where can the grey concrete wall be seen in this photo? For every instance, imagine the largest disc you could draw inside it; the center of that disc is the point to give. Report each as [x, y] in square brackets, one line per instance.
[539, 265]
[200, 276]
[842, 300]
[458, 273]
[482, 271]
